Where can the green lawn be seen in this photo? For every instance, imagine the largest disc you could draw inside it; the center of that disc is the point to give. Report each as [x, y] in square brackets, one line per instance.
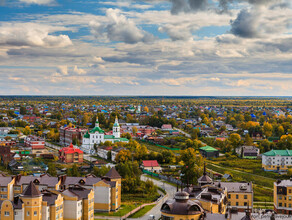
[139, 197]
[125, 208]
[142, 211]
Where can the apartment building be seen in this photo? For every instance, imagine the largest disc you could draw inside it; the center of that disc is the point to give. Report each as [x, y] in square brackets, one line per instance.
[283, 196]
[277, 160]
[239, 194]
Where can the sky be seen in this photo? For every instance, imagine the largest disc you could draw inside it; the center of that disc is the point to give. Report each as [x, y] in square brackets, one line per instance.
[146, 47]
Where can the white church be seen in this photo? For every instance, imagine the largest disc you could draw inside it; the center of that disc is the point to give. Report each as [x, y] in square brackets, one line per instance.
[97, 136]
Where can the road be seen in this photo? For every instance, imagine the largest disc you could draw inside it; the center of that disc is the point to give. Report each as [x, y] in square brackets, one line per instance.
[183, 132]
[170, 190]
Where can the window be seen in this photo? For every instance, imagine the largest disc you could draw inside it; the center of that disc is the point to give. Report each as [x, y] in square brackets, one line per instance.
[15, 213]
[289, 198]
[280, 197]
[245, 196]
[4, 196]
[236, 203]
[289, 190]
[17, 188]
[27, 213]
[289, 205]
[236, 196]
[3, 189]
[6, 213]
[245, 204]
[280, 204]
[229, 196]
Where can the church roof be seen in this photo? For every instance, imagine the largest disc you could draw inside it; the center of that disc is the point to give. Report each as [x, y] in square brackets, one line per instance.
[96, 129]
[113, 174]
[31, 191]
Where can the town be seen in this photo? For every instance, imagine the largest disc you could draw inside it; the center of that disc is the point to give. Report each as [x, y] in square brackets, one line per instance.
[164, 157]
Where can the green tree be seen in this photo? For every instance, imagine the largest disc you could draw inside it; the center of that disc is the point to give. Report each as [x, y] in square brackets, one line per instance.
[192, 167]
[27, 130]
[52, 169]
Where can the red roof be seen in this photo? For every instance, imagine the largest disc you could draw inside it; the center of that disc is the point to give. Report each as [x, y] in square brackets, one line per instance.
[150, 163]
[71, 150]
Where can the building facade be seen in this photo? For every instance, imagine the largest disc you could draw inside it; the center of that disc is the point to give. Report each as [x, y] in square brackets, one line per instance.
[277, 160]
[283, 197]
[71, 154]
[70, 135]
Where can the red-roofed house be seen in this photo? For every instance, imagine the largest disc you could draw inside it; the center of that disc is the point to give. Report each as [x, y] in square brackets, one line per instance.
[166, 127]
[71, 154]
[151, 165]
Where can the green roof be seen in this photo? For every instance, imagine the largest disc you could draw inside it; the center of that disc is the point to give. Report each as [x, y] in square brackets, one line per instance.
[86, 135]
[279, 152]
[97, 129]
[115, 139]
[109, 137]
[208, 148]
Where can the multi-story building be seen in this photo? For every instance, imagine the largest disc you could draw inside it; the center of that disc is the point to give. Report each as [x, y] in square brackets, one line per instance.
[239, 195]
[215, 196]
[71, 154]
[107, 190]
[105, 196]
[277, 160]
[6, 187]
[70, 135]
[283, 196]
[42, 183]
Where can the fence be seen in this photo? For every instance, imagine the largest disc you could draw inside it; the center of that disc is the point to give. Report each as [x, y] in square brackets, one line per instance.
[166, 178]
[168, 148]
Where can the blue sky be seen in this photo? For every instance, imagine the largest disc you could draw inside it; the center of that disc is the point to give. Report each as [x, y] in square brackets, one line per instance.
[146, 47]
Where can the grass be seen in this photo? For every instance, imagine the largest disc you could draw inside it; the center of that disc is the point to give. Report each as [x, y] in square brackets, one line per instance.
[125, 208]
[142, 211]
[139, 198]
[262, 181]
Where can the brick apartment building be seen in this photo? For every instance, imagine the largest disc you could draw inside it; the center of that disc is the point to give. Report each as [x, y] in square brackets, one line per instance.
[69, 135]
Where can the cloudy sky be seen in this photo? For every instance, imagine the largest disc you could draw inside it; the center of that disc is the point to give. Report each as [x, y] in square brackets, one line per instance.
[146, 47]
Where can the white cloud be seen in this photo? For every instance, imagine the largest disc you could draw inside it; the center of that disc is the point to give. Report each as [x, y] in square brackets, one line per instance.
[79, 71]
[38, 2]
[119, 28]
[63, 70]
[31, 34]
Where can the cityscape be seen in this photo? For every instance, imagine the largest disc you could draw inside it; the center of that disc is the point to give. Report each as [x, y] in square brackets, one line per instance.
[145, 109]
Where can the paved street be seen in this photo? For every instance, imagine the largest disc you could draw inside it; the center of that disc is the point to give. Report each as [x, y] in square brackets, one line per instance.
[170, 194]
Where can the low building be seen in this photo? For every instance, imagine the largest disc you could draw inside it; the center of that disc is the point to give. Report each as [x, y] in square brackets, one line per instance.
[277, 160]
[248, 152]
[151, 165]
[283, 197]
[71, 154]
[36, 144]
[209, 152]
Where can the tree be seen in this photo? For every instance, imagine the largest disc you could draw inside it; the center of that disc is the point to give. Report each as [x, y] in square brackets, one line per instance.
[134, 130]
[101, 171]
[27, 130]
[248, 140]
[234, 140]
[268, 129]
[168, 156]
[22, 110]
[109, 155]
[192, 167]
[123, 156]
[74, 171]
[52, 169]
